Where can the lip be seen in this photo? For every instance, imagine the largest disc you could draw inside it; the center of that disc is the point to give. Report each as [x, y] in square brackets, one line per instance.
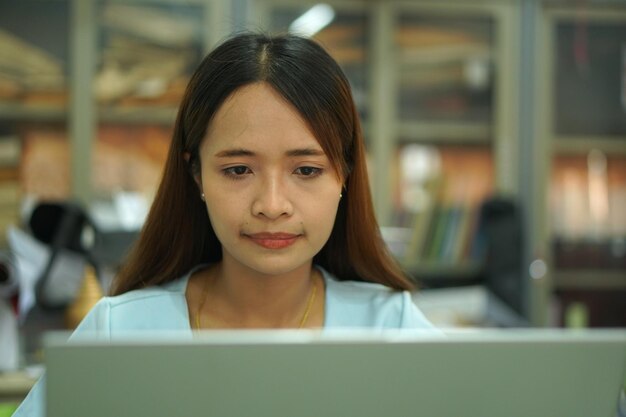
[277, 240]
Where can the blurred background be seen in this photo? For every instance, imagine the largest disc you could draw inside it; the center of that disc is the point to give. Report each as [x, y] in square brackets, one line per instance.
[496, 136]
[495, 130]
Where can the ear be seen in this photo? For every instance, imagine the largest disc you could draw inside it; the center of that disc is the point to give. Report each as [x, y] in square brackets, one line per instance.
[196, 176]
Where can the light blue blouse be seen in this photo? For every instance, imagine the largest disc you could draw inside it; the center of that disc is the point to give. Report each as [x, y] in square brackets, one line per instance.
[348, 304]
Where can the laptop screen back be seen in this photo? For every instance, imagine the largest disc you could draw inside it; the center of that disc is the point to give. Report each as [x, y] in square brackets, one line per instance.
[265, 374]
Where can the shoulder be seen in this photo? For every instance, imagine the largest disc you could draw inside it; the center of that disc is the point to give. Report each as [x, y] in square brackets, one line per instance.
[148, 296]
[154, 308]
[366, 304]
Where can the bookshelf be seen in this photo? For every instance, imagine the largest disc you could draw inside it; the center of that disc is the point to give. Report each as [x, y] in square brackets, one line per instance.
[584, 131]
[73, 71]
[33, 91]
[13, 111]
[145, 52]
[437, 79]
[450, 124]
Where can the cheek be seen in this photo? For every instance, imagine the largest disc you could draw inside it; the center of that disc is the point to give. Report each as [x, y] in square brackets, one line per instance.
[321, 214]
[221, 201]
[224, 210]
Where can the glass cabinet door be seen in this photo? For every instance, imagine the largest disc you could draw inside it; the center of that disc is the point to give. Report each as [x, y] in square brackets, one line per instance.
[34, 145]
[586, 72]
[590, 78]
[146, 52]
[446, 67]
[341, 28]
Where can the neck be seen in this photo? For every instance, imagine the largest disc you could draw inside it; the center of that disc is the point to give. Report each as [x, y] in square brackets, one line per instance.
[242, 297]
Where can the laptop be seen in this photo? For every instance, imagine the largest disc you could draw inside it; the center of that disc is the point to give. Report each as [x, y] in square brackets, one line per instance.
[551, 373]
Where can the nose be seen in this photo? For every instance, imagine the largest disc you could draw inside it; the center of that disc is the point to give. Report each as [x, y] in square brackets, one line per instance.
[272, 199]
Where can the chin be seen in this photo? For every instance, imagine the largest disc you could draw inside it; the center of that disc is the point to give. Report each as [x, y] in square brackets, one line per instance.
[275, 264]
[272, 269]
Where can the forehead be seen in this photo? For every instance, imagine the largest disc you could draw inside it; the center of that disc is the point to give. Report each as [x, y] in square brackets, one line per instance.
[256, 116]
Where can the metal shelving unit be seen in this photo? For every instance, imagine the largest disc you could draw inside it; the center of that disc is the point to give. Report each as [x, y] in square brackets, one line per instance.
[557, 140]
[589, 279]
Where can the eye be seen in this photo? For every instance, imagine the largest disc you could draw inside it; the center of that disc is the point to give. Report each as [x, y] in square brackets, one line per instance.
[236, 171]
[308, 171]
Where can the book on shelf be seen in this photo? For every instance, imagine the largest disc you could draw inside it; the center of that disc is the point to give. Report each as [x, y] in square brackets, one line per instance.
[588, 212]
[135, 70]
[442, 188]
[588, 197]
[26, 68]
[437, 232]
[422, 222]
[466, 230]
[433, 44]
[605, 254]
[451, 233]
[445, 234]
[153, 24]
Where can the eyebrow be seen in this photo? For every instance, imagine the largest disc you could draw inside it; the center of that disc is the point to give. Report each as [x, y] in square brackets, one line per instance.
[305, 152]
[230, 153]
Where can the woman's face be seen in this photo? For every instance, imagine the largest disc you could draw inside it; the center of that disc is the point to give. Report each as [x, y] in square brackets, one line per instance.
[271, 192]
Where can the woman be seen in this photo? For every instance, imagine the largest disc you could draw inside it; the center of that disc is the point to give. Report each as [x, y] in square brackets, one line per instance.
[263, 218]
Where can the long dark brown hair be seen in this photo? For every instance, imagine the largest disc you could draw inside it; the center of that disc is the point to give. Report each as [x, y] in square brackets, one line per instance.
[178, 235]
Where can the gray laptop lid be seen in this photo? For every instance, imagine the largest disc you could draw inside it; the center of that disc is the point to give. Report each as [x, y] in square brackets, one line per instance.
[263, 374]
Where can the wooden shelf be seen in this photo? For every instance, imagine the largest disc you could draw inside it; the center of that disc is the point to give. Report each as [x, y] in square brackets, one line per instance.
[138, 115]
[32, 113]
[127, 115]
[583, 144]
[421, 57]
[590, 279]
[445, 132]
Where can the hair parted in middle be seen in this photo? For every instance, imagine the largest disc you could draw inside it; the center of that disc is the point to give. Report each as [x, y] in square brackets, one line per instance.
[178, 234]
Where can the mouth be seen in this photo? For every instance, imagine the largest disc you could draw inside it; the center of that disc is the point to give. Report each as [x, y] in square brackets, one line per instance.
[278, 240]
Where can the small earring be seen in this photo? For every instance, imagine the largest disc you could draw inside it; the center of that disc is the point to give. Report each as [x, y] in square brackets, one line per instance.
[340, 195]
[202, 197]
